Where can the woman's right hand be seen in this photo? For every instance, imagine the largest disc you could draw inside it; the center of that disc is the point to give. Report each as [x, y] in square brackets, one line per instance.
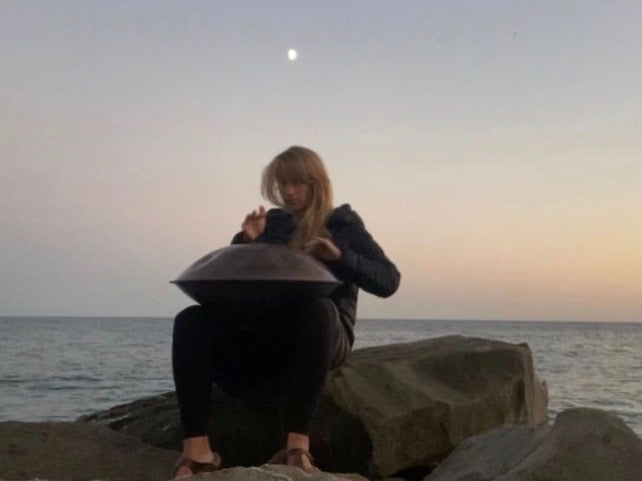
[254, 224]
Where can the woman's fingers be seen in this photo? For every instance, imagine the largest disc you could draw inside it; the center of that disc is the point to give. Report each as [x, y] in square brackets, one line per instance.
[324, 248]
[323, 243]
[257, 214]
[310, 246]
[254, 223]
[318, 247]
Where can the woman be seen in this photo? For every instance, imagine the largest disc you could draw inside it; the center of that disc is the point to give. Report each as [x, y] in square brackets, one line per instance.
[285, 347]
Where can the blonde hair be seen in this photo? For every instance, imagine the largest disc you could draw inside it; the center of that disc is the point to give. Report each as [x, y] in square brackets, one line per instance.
[300, 164]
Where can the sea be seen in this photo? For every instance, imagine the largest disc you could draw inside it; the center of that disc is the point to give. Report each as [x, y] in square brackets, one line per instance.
[57, 368]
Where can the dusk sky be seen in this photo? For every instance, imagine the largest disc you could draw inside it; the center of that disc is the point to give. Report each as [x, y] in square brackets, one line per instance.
[492, 148]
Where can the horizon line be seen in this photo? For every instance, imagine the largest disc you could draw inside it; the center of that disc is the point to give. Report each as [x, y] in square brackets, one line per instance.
[391, 319]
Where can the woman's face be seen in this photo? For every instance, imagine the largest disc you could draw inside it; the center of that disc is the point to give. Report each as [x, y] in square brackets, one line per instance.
[296, 195]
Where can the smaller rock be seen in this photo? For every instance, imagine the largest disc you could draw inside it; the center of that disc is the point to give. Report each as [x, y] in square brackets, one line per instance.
[489, 455]
[583, 444]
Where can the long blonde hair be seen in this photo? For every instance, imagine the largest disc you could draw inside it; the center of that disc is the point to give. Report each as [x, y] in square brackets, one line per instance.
[300, 164]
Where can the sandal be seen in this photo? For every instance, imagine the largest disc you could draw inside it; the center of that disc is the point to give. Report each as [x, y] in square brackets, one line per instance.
[283, 456]
[196, 467]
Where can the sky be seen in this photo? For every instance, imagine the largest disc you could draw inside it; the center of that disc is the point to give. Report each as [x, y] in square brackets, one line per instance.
[492, 148]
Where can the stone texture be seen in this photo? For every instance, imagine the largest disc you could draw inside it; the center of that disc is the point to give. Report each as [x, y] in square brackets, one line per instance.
[386, 410]
[271, 473]
[486, 456]
[417, 401]
[153, 420]
[583, 444]
[78, 452]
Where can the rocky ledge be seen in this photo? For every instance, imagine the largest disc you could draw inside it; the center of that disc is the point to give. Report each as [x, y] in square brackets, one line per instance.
[582, 445]
[452, 408]
[387, 410]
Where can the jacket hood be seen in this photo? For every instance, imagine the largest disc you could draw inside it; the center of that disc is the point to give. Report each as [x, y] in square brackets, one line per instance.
[343, 215]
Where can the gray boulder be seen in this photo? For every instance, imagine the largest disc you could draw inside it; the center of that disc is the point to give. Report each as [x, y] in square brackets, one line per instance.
[78, 452]
[486, 456]
[583, 444]
[386, 410]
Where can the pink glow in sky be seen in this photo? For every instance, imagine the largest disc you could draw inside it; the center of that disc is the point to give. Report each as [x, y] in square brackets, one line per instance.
[492, 148]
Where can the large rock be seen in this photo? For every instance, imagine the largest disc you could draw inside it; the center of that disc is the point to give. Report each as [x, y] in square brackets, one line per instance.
[583, 444]
[78, 452]
[387, 409]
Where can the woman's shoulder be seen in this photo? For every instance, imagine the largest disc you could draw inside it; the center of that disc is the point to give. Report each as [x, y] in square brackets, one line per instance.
[344, 216]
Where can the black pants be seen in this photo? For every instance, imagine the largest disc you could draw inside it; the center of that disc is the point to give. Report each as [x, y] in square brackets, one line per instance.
[256, 348]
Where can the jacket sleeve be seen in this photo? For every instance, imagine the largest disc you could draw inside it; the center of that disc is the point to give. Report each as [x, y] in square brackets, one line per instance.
[364, 263]
[239, 239]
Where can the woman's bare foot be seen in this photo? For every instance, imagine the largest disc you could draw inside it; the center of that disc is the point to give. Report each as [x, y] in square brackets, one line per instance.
[298, 452]
[196, 449]
[301, 459]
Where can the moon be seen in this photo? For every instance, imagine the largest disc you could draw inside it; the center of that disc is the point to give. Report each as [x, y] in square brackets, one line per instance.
[292, 55]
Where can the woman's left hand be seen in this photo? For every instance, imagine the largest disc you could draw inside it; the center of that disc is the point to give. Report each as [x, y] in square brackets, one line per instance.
[323, 249]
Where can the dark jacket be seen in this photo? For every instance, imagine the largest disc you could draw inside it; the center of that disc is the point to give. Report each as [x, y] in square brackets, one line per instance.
[363, 264]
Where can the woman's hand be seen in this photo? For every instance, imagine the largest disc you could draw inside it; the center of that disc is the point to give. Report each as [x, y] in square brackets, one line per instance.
[323, 249]
[254, 224]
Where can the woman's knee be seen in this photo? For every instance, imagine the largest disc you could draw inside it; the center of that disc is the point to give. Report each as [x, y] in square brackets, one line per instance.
[316, 307]
[193, 321]
[189, 313]
[315, 316]
[327, 315]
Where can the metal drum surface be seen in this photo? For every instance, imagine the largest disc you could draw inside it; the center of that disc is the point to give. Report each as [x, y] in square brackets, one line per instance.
[255, 271]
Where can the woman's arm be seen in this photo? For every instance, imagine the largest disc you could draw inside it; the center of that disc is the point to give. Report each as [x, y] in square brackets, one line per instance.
[364, 263]
[274, 227]
[253, 226]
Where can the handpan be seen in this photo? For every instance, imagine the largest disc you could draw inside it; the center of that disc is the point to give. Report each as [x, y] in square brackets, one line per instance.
[255, 270]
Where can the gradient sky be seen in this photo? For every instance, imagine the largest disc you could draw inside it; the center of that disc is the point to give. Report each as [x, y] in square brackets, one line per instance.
[493, 148]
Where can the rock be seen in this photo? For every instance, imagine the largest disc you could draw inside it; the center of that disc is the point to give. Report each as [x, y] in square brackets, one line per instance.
[486, 456]
[583, 444]
[153, 420]
[417, 401]
[78, 452]
[388, 409]
[272, 473]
